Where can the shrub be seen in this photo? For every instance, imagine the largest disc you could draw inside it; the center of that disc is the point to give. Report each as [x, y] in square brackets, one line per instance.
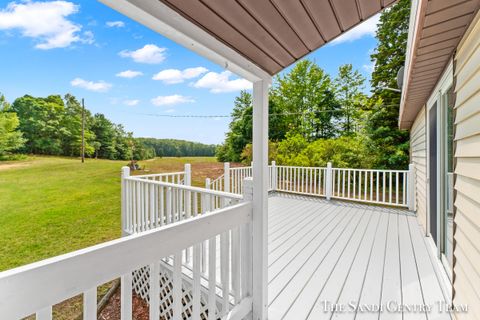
[343, 152]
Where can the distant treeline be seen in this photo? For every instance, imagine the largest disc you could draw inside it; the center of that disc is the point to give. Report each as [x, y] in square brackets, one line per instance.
[178, 148]
[53, 126]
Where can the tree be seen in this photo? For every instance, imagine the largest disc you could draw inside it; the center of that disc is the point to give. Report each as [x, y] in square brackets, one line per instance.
[40, 121]
[10, 139]
[72, 129]
[301, 101]
[178, 148]
[306, 93]
[105, 135]
[343, 152]
[349, 86]
[387, 142]
[240, 133]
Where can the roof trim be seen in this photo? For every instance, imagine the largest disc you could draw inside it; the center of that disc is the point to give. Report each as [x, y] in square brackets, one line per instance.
[418, 7]
[435, 31]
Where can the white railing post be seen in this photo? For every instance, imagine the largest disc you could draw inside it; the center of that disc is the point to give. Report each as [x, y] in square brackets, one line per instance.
[188, 182]
[226, 177]
[328, 181]
[126, 297]
[247, 242]
[188, 175]
[90, 304]
[124, 194]
[44, 314]
[274, 176]
[411, 187]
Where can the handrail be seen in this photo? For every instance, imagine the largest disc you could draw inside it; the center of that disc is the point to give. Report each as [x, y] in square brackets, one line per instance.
[349, 184]
[351, 169]
[189, 188]
[283, 166]
[30, 288]
[159, 174]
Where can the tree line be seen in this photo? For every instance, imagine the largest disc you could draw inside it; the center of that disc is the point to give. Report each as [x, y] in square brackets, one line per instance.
[315, 118]
[53, 126]
[178, 148]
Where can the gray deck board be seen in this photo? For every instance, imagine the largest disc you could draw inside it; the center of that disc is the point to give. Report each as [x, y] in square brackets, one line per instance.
[339, 252]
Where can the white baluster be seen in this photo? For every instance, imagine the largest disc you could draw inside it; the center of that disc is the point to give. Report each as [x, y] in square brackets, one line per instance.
[126, 297]
[177, 286]
[154, 290]
[45, 314]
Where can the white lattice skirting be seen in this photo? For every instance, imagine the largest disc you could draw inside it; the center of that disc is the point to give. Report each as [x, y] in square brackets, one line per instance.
[141, 286]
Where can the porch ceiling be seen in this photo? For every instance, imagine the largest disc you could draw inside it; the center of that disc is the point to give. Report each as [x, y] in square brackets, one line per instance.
[436, 32]
[253, 38]
[275, 33]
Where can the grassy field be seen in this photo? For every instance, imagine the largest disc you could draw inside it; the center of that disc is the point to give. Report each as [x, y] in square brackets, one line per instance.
[52, 205]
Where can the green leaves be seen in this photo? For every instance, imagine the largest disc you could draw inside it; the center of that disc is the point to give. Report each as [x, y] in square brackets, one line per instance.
[10, 139]
[305, 96]
[387, 142]
[349, 86]
[343, 152]
[53, 126]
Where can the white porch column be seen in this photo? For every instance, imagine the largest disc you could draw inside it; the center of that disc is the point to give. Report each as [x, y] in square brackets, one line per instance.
[260, 198]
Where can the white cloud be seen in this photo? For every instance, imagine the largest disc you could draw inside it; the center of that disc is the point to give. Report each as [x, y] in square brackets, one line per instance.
[171, 100]
[100, 86]
[172, 76]
[46, 22]
[220, 82]
[366, 28]
[150, 53]
[170, 110]
[88, 37]
[129, 74]
[131, 103]
[115, 24]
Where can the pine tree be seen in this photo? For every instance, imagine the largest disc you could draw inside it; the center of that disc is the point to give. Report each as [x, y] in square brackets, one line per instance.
[388, 143]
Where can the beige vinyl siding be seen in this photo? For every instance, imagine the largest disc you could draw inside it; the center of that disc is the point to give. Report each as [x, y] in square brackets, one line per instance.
[418, 156]
[467, 171]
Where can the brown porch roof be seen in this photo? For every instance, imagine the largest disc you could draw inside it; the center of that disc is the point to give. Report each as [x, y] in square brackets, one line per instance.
[439, 27]
[275, 33]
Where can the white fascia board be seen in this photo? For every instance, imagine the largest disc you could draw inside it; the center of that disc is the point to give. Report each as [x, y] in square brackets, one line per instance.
[164, 20]
[417, 8]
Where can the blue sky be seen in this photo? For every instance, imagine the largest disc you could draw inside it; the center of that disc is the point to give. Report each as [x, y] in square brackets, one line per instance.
[129, 72]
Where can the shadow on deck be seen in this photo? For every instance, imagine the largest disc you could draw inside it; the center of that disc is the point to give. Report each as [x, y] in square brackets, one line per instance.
[340, 260]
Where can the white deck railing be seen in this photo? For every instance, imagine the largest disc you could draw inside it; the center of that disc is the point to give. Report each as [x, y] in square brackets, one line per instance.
[232, 179]
[151, 201]
[172, 177]
[386, 187]
[148, 202]
[34, 288]
[187, 251]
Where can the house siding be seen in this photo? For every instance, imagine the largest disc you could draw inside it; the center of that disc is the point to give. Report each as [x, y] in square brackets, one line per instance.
[466, 281]
[418, 156]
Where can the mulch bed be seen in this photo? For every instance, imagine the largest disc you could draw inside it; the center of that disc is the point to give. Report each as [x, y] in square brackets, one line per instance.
[112, 309]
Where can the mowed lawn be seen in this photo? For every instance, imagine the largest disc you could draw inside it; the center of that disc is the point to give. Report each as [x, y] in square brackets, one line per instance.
[52, 205]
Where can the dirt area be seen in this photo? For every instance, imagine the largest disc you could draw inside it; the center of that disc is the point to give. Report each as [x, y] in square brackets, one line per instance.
[112, 309]
[202, 168]
[6, 166]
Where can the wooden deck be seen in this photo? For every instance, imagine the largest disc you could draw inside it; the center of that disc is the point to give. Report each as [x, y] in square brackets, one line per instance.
[324, 256]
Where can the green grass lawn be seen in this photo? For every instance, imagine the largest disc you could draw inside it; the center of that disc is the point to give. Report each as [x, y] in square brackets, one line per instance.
[52, 205]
